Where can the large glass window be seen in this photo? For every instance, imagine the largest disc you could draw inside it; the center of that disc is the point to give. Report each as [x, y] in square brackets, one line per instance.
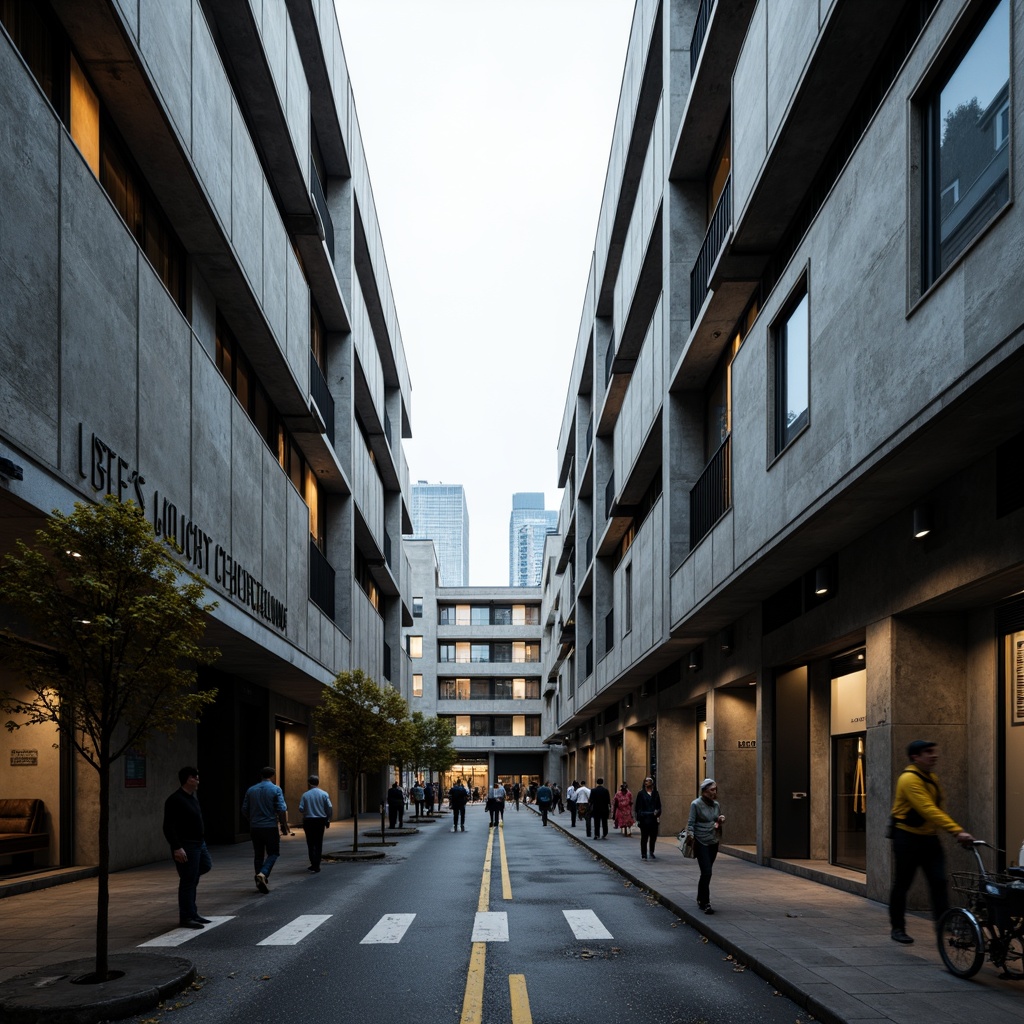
[417, 684]
[966, 159]
[415, 646]
[480, 615]
[792, 370]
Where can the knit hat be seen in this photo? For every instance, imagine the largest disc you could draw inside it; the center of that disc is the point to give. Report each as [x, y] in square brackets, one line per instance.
[919, 747]
[707, 782]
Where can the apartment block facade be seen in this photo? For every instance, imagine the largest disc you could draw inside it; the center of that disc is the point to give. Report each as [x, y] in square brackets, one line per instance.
[792, 531]
[475, 661]
[197, 315]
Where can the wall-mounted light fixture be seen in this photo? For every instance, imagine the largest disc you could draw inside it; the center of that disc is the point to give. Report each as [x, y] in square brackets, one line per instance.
[922, 521]
[727, 641]
[629, 700]
[822, 580]
[696, 659]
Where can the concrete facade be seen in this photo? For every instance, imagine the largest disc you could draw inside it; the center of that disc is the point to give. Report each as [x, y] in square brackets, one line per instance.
[716, 598]
[239, 134]
[479, 665]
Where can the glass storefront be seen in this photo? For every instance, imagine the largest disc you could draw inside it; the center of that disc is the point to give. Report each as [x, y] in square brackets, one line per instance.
[849, 763]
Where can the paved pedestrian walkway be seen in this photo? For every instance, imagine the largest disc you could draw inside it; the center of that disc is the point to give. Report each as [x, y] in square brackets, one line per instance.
[827, 949]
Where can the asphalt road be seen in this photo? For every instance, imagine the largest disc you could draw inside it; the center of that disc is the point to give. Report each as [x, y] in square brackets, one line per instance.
[513, 926]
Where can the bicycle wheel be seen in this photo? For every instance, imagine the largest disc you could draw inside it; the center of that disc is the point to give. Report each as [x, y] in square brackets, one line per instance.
[960, 943]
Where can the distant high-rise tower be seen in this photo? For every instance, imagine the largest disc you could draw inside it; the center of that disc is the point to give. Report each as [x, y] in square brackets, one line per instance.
[528, 525]
[440, 514]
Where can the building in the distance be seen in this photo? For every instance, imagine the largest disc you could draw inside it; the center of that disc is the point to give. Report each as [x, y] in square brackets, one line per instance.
[475, 660]
[528, 527]
[196, 313]
[440, 514]
[792, 530]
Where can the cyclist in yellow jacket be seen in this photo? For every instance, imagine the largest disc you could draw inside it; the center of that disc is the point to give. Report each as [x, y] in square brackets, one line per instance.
[917, 817]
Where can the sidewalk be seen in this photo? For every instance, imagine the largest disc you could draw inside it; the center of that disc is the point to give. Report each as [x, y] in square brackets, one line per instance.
[826, 949]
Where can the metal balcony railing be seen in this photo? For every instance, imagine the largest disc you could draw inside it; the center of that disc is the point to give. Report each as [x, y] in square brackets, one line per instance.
[321, 580]
[700, 276]
[609, 359]
[320, 199]
[609, 496]
[590, 433]
[321, 395]
[711, 495]
[700, 30]
[590, 549]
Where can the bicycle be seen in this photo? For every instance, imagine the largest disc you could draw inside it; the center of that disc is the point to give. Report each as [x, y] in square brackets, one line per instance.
[991, 923]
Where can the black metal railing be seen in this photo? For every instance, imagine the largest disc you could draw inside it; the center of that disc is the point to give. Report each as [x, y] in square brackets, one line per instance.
[609, 496]
[609, 631]
[711, 495]
[590, 433]
[609, 359]
[387, 549]
[700, 30]
[590, 549]
[387, 662]
[321, 395]
[320, 199]
[589, 660]
[321, 580]
[700, 276]
[387, 427]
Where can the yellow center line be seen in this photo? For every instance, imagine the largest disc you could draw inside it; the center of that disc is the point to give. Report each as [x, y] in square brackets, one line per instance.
[520, 999]
[473, 1000]
[506, 881]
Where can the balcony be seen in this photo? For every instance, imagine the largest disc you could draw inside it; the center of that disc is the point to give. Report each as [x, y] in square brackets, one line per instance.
[718, 231]
[320, 201]
[321, 395]
[711, 495]
[321, 580]
[700, 29]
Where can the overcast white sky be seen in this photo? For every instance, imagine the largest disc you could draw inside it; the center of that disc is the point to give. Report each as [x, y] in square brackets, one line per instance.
[487, 126]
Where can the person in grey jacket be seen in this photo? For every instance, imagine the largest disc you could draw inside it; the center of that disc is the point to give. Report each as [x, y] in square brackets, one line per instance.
[705, 825]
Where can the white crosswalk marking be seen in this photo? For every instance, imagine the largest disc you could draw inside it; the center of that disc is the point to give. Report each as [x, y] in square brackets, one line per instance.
[585, 924]
[295, 931]
[180, 935]
[389, 929]
[490, 926]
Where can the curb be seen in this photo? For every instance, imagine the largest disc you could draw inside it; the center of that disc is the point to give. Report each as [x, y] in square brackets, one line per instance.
[48, 995]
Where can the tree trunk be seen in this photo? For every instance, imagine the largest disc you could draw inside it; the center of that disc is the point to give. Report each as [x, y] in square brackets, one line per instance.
[355, 809]
[103, 877]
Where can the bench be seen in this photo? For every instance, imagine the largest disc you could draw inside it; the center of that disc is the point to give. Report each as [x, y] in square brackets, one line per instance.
[22, 828]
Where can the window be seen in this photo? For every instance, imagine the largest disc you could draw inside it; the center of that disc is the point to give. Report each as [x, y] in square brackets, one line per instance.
[502, 615]
[417, 607]
[462, 725]
[965, 139]
[525, 615]
[628, 583]
[417, 684]
[518, 689]
[519, 725]
[480, 615]
[462, 615]
[446, 652]
[480, 652]
[792, 366]
[415, 646]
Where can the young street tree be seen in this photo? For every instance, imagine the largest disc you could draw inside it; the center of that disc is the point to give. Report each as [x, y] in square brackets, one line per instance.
[439, 753]
[116, 623]
[360, 722]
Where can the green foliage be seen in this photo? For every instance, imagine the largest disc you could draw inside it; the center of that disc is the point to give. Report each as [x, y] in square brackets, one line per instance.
[359, 721]
[116, 623]
[439, 750]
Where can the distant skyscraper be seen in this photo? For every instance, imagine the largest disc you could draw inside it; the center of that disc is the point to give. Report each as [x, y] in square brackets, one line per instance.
[528, 525]
[440, 514]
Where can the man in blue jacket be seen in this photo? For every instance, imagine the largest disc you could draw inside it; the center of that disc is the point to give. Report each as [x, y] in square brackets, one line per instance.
[544, 796]
[264, 806]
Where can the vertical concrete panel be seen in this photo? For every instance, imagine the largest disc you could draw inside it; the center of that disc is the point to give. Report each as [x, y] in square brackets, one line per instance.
[165, 393]
[792, 29]
[212, 104]
[749, 111]
[129, 12]
[247, 192]
[297, 105]
[29, 260]
[297, 541]
[165, 40]
[246, 492]
[676, 750]
[212, 403]
[297, 351]
[276, 251]
[735, 766]
[272, 19]
[99, 311]
[275, 524]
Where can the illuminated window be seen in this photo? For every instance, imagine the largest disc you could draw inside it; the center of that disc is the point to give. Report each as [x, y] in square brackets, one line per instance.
[519, 725]
[417, 684]
[415, 646]
[792, 369]
[462, 725]
[85, 117]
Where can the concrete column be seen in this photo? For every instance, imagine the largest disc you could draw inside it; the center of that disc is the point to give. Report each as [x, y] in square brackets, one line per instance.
[675, 771]
[735, 762]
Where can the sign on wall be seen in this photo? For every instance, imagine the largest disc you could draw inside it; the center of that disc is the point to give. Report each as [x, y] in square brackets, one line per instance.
[1017, 692]
[24, 758]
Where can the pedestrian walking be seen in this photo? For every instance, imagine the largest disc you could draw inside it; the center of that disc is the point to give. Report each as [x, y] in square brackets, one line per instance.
[458, 797]
[496, 804]
[417, 795]
[516, 793]
[622, 810]
[705, 825]
[600, 804]
[582, 799]
[265, 808]
[917, 815]
[647, 808]
[316, 810]
[544, 796]
[396, 806]
[556, 797]
[570, 802]
[183, 830]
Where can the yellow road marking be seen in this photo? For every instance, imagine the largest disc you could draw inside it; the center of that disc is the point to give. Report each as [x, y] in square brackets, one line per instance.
[520, 999]
[473, 1000]
[506, 881]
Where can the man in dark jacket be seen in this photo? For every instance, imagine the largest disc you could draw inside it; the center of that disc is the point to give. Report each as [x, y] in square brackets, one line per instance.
[183, 830]
[544, 796]
[396, 806]
[458, 797]
[600, 805]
